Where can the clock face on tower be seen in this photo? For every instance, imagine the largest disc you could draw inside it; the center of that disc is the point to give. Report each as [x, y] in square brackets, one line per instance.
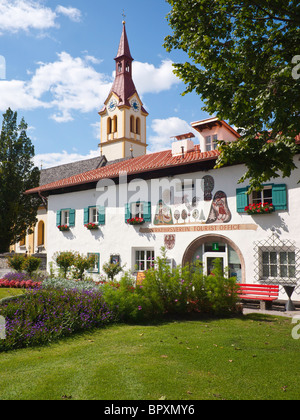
[135, 105]
[112, 105]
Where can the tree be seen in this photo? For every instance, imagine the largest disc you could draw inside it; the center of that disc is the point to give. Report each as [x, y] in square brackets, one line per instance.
[112, 269]
[17, 174]
[245, 67]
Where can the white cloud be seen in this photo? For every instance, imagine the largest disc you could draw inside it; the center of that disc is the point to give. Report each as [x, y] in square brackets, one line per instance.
[71, 12]
[164, 130]
[66, 85]
[71, 84]
[23, 15]
[15, 94]
[151, 79]
[49, 160]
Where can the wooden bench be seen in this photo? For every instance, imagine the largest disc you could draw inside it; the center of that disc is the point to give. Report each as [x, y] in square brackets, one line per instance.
[265, 293]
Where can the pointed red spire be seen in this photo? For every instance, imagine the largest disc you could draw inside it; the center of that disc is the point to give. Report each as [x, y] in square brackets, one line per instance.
[124, 50]
[123, 85]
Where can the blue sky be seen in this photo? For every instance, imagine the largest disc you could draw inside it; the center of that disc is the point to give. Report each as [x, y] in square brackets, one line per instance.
[59, 57]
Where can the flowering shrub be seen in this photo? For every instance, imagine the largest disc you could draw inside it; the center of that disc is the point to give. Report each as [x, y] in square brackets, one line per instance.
[260, 208]
[19, 284]
[16, 276]
[126, 301]
[135, 221]
[67, 284]
[63, 228]
[42, 316]
[91, 226]
[182, 290]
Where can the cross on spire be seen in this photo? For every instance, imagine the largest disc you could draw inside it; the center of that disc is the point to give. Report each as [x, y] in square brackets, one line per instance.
[124, 16]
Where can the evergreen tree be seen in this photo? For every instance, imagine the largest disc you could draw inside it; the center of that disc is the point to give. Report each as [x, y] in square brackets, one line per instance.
[17, 174]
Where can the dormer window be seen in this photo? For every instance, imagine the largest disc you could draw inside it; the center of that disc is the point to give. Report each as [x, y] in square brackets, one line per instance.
[211, 142]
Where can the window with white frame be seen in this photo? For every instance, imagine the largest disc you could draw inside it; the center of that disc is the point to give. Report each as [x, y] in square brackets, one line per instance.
[144, 259]
[93, 215]
[137, 209]
[263, 196]
[211, 142]
[96, 268]
[278, 264]
[65, 217]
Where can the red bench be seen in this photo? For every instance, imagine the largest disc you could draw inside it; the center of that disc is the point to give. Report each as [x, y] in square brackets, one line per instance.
[265, 293]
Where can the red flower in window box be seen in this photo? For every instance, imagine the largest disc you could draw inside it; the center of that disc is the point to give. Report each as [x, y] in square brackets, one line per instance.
[260, 208]
[135, 221]
[91, 226]
[63, 228]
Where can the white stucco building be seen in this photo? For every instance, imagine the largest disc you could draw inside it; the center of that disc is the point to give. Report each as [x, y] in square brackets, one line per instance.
[195, 211]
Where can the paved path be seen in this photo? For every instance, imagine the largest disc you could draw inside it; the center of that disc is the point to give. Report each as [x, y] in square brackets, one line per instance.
[287, 314]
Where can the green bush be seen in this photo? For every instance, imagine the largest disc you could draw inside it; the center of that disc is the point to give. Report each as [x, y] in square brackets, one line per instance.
[112, 269]
[64, 260]
[16, 262]
[22, 262]
[82, 263]
[176, 291]
[31, 264]
[187, 289]
[221, 291]
[127, 303]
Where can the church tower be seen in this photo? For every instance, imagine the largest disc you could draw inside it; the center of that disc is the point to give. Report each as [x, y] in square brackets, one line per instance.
[123, 117]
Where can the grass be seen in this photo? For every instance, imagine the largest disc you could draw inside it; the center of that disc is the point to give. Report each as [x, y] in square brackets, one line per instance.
[4, 293]
[251, 357]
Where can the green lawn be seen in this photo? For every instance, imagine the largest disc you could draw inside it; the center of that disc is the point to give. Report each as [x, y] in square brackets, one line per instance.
[252, 357]
[4, 293]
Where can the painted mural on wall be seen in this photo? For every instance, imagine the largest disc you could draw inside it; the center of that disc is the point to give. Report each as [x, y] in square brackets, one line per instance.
[169, 241]
[219, 211]
[163, 215]
[187, 209]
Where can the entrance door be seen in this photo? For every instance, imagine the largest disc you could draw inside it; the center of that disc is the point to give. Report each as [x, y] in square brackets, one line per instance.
[209, 258]
[210, 265]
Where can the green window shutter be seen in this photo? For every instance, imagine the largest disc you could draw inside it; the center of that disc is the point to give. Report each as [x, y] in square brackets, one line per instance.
[279, 196]
[241, 199]
[86, 216]
[127, 212]
[72, 218]
[101, 215]
[147, 211]
[58, 218]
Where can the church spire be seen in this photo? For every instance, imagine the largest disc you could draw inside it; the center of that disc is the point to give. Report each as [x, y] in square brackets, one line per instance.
[123, 117]
[124, 50]
[123, 85]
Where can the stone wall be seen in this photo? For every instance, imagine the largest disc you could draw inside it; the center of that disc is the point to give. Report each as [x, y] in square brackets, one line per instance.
[3, 262]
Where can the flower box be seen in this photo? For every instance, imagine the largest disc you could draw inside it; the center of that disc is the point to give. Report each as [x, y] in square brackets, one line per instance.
[260, 208]
[135, 221]
[91, 226]
[63, 228]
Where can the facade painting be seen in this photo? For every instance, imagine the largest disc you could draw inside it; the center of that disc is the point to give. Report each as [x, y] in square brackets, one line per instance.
[190, 208]
[163, 215]
[219, 211]
[169, 241]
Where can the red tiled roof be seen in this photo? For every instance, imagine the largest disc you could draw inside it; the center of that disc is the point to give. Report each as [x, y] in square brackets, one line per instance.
[138, 165]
